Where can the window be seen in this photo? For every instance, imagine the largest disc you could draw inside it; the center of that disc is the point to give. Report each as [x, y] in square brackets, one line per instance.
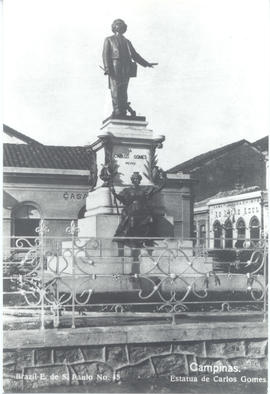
[228, 234]
[217, 234]
[254, 226]
[194, 234]
[25, 221]
[202, 234]
[241, 233]
[82, 212]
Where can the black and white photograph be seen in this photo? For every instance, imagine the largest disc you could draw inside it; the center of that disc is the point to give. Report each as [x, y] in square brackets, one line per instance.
[135, 196]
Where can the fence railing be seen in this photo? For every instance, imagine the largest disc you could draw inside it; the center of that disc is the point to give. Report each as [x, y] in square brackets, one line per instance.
[79, 280]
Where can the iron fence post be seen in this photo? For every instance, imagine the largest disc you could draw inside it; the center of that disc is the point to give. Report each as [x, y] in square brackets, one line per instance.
[56, 322]
[73, 231]
[265, 250]
[42, 230]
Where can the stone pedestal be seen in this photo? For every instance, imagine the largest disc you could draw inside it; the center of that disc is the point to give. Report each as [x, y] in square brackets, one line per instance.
[130, 146]
[99, 226]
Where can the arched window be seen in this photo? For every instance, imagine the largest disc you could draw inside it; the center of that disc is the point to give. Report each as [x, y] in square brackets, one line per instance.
[25, 221]
[217, 234]
[202, 234]
[241, 233]
[254, 226]
[194, 233]
[82, 212]
[228, 234]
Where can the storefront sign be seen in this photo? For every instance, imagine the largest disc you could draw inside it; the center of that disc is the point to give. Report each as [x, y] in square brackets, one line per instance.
[74, 196]
[238, 208]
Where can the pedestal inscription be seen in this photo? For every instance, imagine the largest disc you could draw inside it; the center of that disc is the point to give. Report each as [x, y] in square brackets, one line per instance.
[129, 146]
[130, 159]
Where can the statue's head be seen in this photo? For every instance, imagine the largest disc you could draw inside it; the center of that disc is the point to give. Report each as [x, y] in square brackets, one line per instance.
[119, 26]
[136, 178]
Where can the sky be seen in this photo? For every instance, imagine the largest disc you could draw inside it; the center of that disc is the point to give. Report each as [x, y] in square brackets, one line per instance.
[210, 88]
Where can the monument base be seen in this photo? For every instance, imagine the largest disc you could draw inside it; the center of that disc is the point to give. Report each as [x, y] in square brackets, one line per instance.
[126, 146]
[126, 118]
[105, 225]
[98, 226]
[99, 202]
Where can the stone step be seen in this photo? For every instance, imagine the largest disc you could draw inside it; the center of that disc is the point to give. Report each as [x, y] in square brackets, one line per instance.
[97, 247]
[90, 265]
[104, 284]
[178, 265]
[99, 284]
[178, 247]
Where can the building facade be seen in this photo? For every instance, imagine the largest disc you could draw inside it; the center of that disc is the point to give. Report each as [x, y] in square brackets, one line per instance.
[42, 182]
[231, 218]
[231, 200]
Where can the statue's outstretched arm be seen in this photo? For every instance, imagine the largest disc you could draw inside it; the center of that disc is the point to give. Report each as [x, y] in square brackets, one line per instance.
[137, 58]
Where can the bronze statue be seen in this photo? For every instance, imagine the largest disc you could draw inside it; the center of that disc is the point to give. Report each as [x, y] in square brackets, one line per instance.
[120, 63]
[137, 217]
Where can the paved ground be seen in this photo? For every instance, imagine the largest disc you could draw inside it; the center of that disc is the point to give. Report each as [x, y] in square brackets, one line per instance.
[14, 322]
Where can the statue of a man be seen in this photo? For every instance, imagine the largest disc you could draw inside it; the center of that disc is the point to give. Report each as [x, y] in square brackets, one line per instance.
[119, 56]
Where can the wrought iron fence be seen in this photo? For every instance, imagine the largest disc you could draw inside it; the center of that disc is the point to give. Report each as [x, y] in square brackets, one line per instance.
[80, 280]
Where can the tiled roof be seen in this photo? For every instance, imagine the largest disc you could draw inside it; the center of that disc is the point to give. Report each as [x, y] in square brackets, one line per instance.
[20, 136]
[199, 160]
[236, 192]
[46, 156]
[262, 144]
[228, 193]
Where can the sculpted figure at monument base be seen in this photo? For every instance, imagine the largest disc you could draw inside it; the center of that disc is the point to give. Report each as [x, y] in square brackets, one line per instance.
[137, 217]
